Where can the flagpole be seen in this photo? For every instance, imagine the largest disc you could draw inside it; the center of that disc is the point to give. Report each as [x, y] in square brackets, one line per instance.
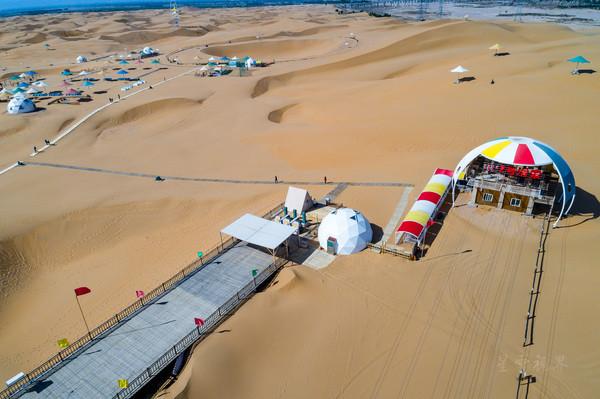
[82, 315]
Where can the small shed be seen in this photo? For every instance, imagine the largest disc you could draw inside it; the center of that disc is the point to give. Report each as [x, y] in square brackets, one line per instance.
[298, 200]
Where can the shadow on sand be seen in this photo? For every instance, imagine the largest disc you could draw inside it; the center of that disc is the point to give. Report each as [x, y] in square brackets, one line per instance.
[586, 204]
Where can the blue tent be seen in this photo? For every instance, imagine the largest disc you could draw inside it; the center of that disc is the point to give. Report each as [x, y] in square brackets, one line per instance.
[122, 72]
[66, 72]
[87, 83]
[31, 73]
[123, 62]
[23, 85]
[17, 90]
[224, 58]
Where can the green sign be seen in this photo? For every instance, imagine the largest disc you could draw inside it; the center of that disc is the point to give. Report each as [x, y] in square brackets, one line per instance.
[200, 254]
[254, 272]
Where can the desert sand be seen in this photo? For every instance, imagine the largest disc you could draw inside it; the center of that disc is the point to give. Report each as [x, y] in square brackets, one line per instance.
[350, 97]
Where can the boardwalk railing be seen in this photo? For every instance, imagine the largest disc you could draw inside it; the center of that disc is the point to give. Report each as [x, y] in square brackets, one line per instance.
[198, 334]
[108, 325]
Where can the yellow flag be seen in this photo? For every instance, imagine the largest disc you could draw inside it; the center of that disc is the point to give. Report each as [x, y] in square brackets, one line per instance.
[123, 383]
[62, 343]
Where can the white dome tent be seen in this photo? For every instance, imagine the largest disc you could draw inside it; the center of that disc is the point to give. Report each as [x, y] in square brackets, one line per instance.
[20, 105]
[350, 229]
[81, 59]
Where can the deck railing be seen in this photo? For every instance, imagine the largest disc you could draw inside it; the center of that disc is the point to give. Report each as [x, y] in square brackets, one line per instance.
[198, 334]
[108, 325]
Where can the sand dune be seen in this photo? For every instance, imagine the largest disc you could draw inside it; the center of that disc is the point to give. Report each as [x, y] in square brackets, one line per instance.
[275, 49]
[141, 37]
[384, 109]
[152, 110]
[277, 115]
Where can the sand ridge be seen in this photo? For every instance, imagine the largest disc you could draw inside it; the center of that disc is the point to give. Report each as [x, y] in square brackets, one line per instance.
[383, 109]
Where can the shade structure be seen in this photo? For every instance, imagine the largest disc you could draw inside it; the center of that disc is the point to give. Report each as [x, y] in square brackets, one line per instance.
[155, 61]
[212, 59]
[66, 72]
[579, 60]
[17, 90]
[524, 151]
[32, 90]
[14, 77]
[122, 72]
[87, 83]
[20, 105]
[350, 229]
[123, 62]
[84, 73]
[419, 217]
[459, 69]
[72, 92]
[23, 85]
[40, 83]
[495, 47]
[259, 231]
[23, 75]
[31, 73]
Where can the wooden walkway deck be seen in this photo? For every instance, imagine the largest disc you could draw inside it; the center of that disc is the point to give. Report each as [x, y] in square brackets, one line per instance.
[128, 350]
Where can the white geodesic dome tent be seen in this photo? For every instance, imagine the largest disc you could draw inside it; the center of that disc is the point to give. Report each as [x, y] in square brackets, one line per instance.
[19, 105]
[81, 59]
[351, 230]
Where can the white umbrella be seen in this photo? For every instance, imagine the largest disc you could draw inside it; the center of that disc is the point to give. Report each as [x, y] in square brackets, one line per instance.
[83, 73]
[23, 75]
[40, 83]
[212, 59]
[32, 90]
[459, 69]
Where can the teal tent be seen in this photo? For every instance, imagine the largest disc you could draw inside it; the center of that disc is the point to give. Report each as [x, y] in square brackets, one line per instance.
[155, 61]
[87, 83]
[122, 72]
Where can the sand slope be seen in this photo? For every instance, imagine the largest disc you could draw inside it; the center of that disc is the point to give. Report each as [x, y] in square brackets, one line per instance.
[381, 109]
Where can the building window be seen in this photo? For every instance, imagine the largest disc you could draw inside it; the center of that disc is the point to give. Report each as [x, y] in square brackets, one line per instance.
[488, 197]
[515, 202]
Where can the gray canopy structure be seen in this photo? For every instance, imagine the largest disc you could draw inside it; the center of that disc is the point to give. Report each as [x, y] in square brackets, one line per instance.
[259, 231]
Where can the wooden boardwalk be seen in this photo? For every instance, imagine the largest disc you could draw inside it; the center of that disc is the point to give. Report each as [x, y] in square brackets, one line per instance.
[128, 350]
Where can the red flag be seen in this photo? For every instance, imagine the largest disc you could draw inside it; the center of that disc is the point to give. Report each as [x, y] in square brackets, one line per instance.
[82, 291]
[139, 294]
[198, 322]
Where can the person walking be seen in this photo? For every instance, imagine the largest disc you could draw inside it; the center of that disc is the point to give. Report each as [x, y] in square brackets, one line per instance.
[325, 179]
[276, 181]
[47, 141]
[34, 149]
